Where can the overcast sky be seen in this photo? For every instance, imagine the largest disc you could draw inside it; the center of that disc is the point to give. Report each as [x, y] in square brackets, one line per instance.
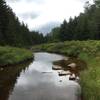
[39, 14]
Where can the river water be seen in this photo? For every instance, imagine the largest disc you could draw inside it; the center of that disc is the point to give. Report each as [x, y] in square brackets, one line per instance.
[37, 81]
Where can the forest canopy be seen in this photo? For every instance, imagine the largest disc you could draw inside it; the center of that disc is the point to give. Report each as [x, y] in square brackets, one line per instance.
[13, 32]
[84, 27]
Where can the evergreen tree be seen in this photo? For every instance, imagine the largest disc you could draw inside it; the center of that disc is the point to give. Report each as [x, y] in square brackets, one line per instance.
[85, 26]
[63, 31]
[14, 33]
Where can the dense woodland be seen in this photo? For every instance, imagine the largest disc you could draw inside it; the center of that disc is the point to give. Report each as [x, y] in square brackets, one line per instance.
[13, 32]
[84, 27]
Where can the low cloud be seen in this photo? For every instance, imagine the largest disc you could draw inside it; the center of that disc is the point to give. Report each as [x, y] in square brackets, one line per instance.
[28, 15]
[48, 27]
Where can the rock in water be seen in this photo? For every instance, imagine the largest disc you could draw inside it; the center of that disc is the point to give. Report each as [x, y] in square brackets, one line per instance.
[62, 73]
[72, 77]
[55, 67]
[72, 65]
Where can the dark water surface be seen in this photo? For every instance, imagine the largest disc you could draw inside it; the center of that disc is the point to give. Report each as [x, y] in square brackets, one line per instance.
[37, 81]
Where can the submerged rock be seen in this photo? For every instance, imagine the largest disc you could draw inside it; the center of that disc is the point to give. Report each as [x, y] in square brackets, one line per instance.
[56, 67]
[77, 79]
[60, 80]
[1, 69]
[62, 73]
[72, 77]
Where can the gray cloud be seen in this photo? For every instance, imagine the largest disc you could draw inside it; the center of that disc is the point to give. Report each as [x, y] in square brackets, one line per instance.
[39, 13]
[48, 27]
[27, 15]
[12, 0]
[85, 0]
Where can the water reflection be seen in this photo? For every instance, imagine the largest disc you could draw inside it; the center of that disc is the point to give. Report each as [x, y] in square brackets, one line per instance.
[40, 82]
[8, 78]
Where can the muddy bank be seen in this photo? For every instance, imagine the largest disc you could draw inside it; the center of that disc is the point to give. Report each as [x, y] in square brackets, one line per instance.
[70, 66]
[80, 64]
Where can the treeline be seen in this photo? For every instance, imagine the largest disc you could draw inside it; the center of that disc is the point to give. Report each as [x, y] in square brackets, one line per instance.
[84, 27]
[14, 33]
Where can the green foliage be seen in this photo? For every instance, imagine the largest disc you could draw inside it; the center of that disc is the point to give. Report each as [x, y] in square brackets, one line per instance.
[54, 35]
[97, 2]
[14, 33]
[72, 48]
[9, 55]
[84, 27]
[88, 51]
[90, 79]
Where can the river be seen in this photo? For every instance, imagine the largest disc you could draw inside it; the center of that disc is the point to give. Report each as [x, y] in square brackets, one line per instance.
[37, 81]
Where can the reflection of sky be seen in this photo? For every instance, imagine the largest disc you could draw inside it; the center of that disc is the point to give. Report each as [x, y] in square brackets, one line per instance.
[36, 84]
[47, 57]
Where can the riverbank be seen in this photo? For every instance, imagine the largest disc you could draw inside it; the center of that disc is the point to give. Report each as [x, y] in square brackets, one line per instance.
[88, 51]
[12, 55]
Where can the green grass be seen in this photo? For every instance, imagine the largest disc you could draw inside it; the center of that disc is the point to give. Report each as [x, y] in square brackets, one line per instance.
[90, 79]
[12, 55]
[89, 51]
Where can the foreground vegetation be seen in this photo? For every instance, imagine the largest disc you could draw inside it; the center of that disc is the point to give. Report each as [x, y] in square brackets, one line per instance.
[11, 55]
[88, 51]
[83, 27]
[90, 79]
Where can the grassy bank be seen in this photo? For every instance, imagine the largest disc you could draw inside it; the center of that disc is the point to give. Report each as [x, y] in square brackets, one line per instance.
[90, 79]
[88, 51]
[71, 48]
[12, 55]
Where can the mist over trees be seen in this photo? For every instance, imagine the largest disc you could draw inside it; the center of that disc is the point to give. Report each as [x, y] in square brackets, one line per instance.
[84, 27]
[14, 33]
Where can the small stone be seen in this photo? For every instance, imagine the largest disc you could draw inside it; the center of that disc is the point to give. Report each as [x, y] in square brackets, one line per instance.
[60, 80]
[63, 73]
[77, 78]
[72, 77]
[56, 67]
[72, 65]
[1, 69]
[66, 58]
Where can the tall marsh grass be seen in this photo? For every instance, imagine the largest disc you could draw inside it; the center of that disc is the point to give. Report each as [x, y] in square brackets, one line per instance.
[12, 55]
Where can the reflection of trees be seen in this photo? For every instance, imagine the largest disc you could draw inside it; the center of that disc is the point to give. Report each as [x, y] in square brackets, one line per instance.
[8, 78]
